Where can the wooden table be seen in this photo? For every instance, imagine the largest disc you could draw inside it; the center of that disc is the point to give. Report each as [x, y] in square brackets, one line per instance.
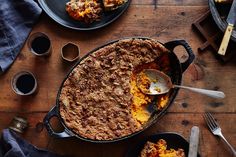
[168, 20]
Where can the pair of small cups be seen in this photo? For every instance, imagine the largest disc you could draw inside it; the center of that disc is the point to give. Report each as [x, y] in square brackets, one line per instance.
[40, 45]
[24, 83]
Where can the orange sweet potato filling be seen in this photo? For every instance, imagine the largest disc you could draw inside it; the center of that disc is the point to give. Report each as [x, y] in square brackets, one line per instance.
[140, 100]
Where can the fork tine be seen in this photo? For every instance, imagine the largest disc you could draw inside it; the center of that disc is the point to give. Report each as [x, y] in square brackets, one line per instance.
[208, 121]
[215, 129]
[213, 121]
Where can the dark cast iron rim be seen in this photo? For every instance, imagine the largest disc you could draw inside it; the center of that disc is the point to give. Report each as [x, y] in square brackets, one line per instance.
[154, 118]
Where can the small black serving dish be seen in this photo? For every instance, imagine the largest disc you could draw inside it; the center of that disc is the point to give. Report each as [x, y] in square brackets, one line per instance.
[56, 10]
[219, 12]
[173, 140]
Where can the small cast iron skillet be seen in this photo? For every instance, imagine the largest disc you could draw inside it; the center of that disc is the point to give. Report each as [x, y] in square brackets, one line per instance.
[173, 140]
[56, 10]
[219, 13]
[177, 69]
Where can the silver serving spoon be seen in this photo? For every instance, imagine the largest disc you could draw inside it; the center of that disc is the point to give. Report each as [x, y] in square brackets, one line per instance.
[160, 83]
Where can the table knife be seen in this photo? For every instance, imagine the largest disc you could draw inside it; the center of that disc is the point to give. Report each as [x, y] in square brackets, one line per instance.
[231, 20]
[193, 142]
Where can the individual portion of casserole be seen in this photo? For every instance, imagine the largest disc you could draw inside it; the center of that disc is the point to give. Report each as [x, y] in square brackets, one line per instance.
[159, 149]
[87, 11]
[96, 100]
[113, 4]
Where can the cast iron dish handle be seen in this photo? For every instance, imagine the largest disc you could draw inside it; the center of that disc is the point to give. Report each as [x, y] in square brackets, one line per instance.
[46, 121]
[172, 44]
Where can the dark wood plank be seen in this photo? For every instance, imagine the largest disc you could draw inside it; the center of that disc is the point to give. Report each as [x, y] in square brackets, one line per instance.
[51, 71]
[177, 26]
[171, 122]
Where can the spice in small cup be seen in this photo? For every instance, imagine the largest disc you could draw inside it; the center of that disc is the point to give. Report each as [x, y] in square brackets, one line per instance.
[39, 44]
[70, 52]
[24, 83]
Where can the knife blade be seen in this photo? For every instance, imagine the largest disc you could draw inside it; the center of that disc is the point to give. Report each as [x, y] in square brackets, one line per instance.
[231, 20]
[193, 142]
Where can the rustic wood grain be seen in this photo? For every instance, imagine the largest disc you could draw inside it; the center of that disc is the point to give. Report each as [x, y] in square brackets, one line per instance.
[171, 122]
[171, 20]
[51, 70]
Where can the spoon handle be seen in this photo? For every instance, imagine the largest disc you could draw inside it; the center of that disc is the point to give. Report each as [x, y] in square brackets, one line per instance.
[210, 93]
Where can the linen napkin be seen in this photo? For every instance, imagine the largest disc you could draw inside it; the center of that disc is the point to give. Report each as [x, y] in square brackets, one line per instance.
[12, 145]
[17, 18]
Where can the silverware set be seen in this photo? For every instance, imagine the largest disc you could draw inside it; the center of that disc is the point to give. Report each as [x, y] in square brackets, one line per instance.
[216, 130]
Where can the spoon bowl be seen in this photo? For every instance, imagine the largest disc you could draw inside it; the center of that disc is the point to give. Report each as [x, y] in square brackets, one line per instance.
[158, 82]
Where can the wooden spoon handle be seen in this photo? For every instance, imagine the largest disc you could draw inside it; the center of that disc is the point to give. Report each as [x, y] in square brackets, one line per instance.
[225, 41]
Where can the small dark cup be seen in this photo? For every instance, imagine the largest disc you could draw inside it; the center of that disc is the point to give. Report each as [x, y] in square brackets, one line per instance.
[24, 83]
[70, 52]
[39, 44]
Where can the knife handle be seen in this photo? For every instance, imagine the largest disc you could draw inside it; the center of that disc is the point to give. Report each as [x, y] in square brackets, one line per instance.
[225, 41]
[193, 142]
[223, 1]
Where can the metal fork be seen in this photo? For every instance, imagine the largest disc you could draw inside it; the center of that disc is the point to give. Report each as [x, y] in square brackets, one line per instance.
[216, 130]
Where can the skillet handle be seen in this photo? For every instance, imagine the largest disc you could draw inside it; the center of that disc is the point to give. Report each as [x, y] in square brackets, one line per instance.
[172, 44]
[46, 121]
